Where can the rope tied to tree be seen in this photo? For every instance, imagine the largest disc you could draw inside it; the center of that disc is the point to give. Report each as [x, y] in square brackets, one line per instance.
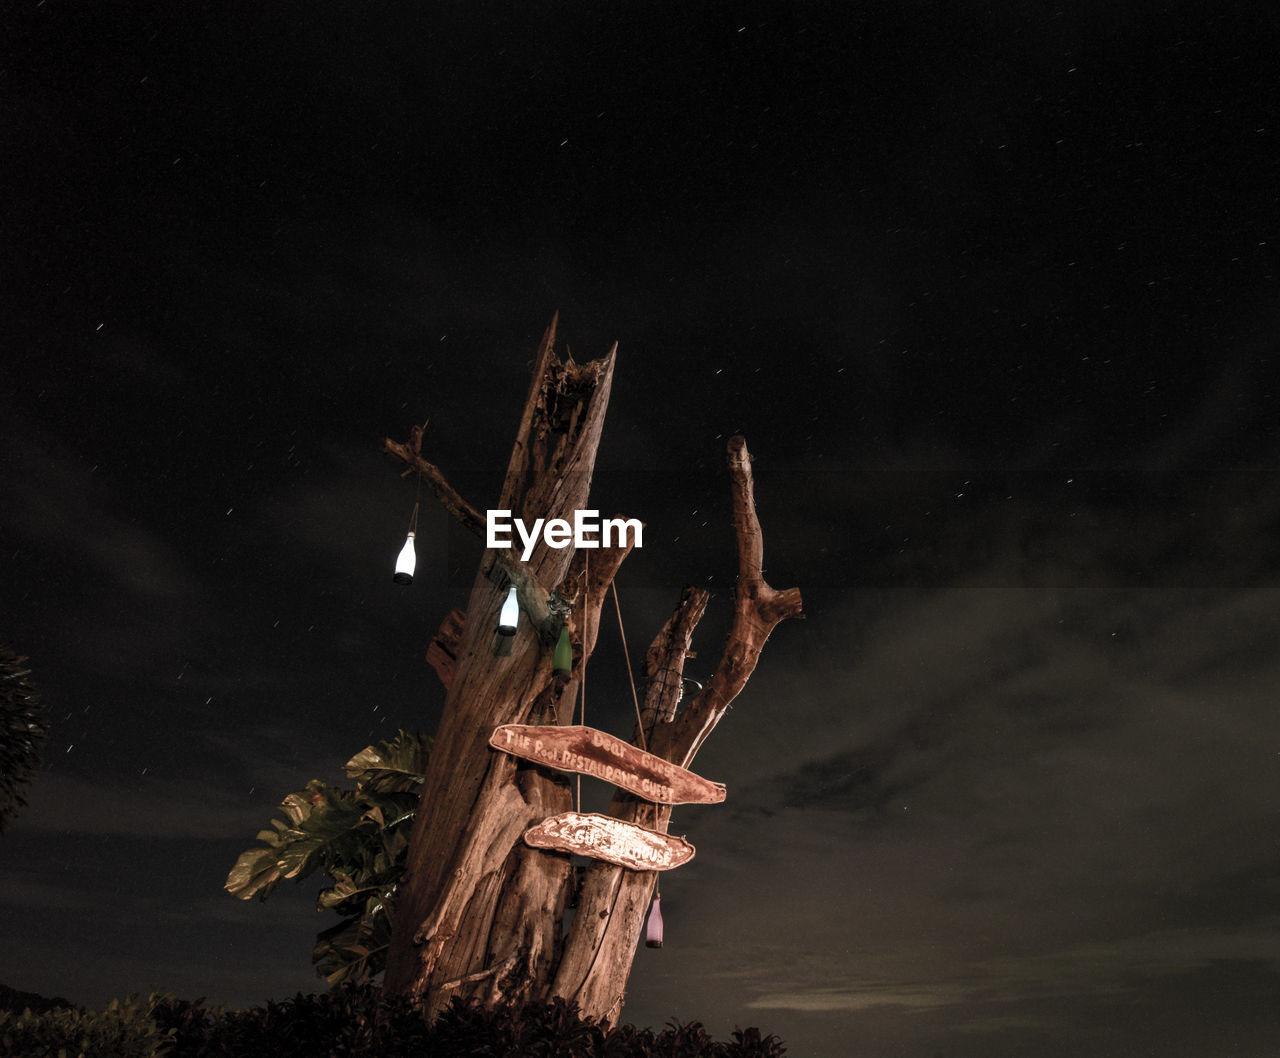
[613, 586]
[626, 655]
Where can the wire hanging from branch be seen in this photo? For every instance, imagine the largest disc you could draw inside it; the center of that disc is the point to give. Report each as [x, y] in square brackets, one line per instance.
[582, 674]
[626, 654]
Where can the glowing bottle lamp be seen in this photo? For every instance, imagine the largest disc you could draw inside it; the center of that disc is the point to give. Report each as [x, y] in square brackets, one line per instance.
[406, 562]
[653, 930]
[510, 614]
[562, 664]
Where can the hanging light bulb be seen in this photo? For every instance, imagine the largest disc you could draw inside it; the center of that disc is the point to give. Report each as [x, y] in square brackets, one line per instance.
[510, 615]
[653, 929]
[562, 665]
[406, 562]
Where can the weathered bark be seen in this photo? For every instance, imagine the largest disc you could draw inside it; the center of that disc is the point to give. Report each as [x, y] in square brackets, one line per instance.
[442, 653]
[461, 864]
[612, 907]
[479, 912]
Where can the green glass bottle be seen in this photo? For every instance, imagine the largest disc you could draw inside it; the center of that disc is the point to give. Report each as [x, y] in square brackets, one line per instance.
[563, 663]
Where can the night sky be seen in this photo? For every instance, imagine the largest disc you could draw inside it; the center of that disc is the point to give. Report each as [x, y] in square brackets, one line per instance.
[989, 287]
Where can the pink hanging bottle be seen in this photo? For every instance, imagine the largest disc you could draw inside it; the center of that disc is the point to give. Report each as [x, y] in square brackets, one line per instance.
[653, 931]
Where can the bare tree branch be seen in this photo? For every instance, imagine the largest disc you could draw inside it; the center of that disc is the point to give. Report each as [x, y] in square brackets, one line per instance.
[664, 662]
[430, 473]
[613, 900]
[757, 608]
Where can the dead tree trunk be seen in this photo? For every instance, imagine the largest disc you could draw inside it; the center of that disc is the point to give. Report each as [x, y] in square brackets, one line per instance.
[479, 912]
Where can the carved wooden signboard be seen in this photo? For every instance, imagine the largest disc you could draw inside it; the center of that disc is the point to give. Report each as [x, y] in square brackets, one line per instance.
[590, 752]
[612, 840]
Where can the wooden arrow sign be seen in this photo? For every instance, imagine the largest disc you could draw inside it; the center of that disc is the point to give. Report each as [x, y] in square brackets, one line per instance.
[590, 752]
[611, 840]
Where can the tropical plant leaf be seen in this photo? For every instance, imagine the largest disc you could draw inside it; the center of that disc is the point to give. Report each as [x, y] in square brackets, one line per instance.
[406, 754]
[255, 872]
[359, 838]
[353, 950]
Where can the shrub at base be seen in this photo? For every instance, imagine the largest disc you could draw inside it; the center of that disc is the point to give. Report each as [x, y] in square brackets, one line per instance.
[354, 1022]
[124, 1030]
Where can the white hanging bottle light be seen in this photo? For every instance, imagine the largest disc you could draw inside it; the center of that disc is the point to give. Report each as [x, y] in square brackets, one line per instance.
[408, 560]
[510, 616]
[653, 929]
[406, 563]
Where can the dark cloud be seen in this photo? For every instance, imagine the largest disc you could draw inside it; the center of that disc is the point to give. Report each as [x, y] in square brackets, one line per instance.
[1004, 779]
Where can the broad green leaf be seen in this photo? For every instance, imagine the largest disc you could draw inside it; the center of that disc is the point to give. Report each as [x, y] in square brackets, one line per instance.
[255, 871]
[359, 838]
